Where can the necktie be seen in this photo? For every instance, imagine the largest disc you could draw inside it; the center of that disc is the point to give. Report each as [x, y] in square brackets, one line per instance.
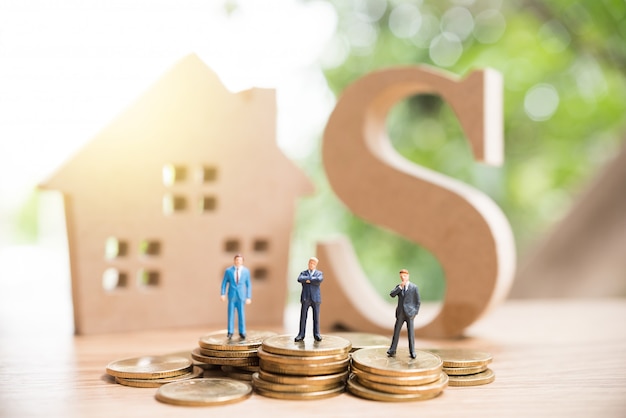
[237, 276]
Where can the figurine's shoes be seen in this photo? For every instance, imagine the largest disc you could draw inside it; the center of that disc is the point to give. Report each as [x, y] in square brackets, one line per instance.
[318, 338]
[391, 353]
[412, 355]
[243, 336]
[229, 335]
[298, 339]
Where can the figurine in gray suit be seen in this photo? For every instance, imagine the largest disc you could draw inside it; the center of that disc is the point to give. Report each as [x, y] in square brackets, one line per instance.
[408, 307]
[310, 297]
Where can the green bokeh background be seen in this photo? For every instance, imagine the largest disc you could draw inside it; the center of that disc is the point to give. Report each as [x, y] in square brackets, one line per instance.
[572, 48]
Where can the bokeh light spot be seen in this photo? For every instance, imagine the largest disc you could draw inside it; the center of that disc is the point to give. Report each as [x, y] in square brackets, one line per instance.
[541, 102]
[405, 20]
[490, 26]
[458, 20]
[445, 49]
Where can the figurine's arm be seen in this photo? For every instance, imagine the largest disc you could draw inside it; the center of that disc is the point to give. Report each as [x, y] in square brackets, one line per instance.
[317, 279]
[303, 277]
[396, 291]
[224, 283]
[419, 301]
[248, 288]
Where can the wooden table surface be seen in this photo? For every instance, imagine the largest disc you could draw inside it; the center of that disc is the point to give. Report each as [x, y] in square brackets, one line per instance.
[552, 358]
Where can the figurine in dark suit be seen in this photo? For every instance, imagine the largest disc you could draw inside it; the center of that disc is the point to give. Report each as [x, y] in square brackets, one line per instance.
[408, 307]
[310, 297]
[237, 280]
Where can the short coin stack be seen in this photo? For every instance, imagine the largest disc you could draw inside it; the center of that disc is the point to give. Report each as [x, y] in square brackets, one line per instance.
[238, 357]
[465, 367]
[378, 377]
[302, 370]
[152, 371]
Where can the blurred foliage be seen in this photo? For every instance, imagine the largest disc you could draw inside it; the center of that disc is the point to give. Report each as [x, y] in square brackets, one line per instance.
[25, 223]
[564, 99]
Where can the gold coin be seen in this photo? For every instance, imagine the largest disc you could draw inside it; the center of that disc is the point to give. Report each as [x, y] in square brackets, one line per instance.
[219, 340]
[461, 357]
[320, 380]
[206, 391]
[150, 367]
[187, 354]
[302, 396]
[155, 383]
[283, 359]
[244, 361]
[251, 368]
[361, 340]
[424, 389]
[227, 353]
[305, 369]
[361, 391]
[237, 373]
[460, 371]
[285, 345]
[259, 383]
[397, 380]
[481, 378]
[376, 361]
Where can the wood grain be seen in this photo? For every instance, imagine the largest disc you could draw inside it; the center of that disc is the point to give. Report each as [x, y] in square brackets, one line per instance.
[551, 358]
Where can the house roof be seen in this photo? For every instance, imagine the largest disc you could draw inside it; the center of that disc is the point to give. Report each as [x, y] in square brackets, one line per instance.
[187, 115]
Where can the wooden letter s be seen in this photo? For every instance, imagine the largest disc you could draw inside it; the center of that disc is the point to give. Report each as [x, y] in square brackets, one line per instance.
[462, 227]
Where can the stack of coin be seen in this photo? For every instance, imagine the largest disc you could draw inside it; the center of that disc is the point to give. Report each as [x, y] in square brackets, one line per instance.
[378, 377]
[465, 367]
[361, 340]
[238, 357]
[152, 371]
[240, 372]
[302, 370]
[187, 354]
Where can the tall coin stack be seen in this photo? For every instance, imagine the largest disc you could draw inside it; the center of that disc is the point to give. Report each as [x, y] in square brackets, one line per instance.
[378, 377]
[465, 367]
[302, 370]
[237, 357]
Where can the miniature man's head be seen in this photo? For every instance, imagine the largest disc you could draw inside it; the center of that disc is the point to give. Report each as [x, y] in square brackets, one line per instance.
[404, 275]
[313, 263]
[238, 260]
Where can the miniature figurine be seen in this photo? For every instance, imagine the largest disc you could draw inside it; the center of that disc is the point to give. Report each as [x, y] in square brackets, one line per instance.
[237, 278]
[408, 307]
[310, 297]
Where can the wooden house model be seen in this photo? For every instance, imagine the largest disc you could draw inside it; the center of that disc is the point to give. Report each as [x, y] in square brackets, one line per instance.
[159, 202]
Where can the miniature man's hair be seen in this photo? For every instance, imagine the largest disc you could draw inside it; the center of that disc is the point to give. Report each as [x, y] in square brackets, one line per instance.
[238, 255]
[314, 259]
[404, 271]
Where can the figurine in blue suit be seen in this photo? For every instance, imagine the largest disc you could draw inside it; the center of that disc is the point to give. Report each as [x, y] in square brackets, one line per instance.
[310, 297]
[237, 280]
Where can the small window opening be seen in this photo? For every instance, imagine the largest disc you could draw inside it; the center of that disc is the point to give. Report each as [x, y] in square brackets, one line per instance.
[150, 247]
[208, 204]
[114, 248]
[148, 278]
[173, 174]
[173, 204]
[260, 273]
[113, 279]
[231, 246]
[209, 174]
[260, 245]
